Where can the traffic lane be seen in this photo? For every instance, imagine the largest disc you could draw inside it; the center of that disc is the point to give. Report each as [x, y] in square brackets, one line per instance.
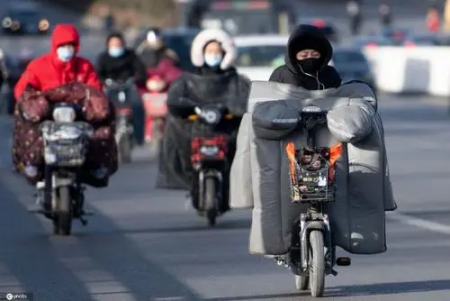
[407, 246]
[417, 138]
[99, 262]
[143, 236]
[144, 244]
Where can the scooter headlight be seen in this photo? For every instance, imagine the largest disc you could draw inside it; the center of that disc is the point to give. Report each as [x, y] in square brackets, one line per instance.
[209, 150]
[64, 114]
[7, 22]
[312, 109]
[211, 117]
[155, 85]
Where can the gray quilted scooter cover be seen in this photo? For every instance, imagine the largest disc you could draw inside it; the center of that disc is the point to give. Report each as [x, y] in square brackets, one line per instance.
[260, 171]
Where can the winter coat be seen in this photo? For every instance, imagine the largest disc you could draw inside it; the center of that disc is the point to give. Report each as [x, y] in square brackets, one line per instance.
[121, 68]
[290, 72]
[167, 69]
[47, 71]
[152, 58]
[220, 86]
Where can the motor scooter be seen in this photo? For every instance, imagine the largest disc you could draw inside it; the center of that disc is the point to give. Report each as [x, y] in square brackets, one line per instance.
[118, 93]
[210, 163]
[312, 254]
[154, 97]
[61, 194]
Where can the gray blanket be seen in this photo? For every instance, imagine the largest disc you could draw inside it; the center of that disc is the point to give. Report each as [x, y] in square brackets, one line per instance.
[260, 171]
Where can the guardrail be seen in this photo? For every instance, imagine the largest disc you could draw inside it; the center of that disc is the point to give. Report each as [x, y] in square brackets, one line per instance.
[411, 70]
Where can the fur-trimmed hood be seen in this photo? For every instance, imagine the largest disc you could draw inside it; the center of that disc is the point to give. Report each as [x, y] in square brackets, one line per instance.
[208, 35]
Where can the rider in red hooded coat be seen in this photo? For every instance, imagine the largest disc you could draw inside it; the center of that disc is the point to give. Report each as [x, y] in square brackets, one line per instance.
[59, 66]
[61, 75]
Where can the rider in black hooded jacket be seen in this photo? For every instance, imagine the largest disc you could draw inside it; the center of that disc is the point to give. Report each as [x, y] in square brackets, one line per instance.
[216, 82]
[120, 63]
[306, 62]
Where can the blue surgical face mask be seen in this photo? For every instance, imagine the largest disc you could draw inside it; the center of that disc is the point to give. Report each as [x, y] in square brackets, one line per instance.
[65, 53]
[116, 51]
[213, 60]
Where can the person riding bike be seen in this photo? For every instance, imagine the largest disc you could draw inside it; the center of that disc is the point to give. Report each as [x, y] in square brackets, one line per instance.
[60, 66]
[215, 81]
[153, 50]
[306, 61]
[119, 63]
[60, 73]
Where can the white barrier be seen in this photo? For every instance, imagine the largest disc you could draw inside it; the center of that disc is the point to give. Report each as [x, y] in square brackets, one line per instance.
[411, 70]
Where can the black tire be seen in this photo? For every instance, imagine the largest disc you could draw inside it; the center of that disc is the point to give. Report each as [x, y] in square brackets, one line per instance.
[157, 137]
[316, 264]
[301, 282]
[62, 223]
[125, 147]
[210, 201]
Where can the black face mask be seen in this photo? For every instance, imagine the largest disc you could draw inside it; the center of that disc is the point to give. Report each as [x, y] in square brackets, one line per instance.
[310, 66]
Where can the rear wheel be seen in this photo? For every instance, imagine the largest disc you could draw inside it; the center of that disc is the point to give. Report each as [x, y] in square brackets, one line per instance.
[210, 201]
[62, 223]
[316, 264]
[157, 136]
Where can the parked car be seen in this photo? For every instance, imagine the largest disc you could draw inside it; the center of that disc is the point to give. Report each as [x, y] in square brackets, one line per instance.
[24, 20]
[352, 64]
[259, 55]
[371, 41]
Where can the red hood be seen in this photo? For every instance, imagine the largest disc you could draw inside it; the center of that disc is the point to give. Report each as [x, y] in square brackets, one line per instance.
[63, 34]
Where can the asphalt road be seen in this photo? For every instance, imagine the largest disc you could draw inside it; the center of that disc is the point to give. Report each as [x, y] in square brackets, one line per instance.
[147, 244]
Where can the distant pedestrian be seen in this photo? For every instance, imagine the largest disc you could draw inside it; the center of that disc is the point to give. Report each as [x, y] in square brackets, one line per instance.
[354, 11]
[109, 22]
[433, 20]
[385, 15]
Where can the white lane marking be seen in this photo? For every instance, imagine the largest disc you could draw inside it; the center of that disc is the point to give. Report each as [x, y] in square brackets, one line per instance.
[420, 223]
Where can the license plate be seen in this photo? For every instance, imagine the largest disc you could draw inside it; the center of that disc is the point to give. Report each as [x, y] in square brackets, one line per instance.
[155, 104]
[156, 99]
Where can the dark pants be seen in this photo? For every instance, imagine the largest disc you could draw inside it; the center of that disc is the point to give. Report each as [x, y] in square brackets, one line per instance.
[138, 115]
[135, 101]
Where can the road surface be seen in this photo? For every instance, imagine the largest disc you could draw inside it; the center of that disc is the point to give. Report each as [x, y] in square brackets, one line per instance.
[147, 244]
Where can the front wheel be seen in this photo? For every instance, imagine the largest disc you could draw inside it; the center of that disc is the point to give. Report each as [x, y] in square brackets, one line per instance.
[157, 136]
[301, 282]
[124, 145]
[62, 223]
[210, 201]
[316, 263]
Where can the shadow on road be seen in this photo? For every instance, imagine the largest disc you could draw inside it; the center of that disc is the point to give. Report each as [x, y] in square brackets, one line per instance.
[39, 260]
[221, 226]
[356, 291]
[260, 297]
[120, 257]
[389, 288]
[29, 257]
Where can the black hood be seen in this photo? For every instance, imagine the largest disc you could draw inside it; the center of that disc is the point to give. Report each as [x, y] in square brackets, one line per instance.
[307, 37]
